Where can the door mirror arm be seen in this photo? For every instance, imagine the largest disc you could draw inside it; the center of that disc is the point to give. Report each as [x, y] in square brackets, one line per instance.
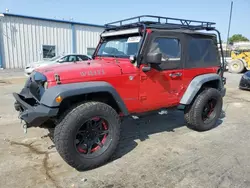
[146, 68]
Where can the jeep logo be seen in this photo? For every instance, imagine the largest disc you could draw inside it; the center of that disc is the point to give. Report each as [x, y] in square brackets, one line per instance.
[92, 73]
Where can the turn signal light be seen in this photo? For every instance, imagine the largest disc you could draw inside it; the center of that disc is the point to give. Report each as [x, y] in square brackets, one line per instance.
[59, 99]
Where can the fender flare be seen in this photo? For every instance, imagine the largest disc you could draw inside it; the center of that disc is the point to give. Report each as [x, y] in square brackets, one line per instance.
[196, 84]
[74, 89]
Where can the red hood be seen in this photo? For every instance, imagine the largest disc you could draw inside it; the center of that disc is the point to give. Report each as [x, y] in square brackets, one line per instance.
[81, 70]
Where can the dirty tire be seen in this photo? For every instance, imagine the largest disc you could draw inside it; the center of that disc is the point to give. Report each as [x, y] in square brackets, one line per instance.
[236, 66]
[66, 130]
[194, 112]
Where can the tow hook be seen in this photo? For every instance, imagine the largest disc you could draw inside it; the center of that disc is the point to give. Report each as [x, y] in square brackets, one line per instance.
[224, 80]
[25, 128]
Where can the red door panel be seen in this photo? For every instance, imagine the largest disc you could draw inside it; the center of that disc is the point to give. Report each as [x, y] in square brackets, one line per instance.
[159, 89]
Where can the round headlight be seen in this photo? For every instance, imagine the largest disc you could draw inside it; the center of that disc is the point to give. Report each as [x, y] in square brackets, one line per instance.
[45, 85]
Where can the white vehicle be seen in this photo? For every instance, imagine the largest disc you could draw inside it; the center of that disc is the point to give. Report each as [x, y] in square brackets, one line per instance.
[55, 60]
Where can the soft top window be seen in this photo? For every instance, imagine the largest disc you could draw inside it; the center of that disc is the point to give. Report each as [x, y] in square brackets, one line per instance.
[202, 52]
[170, 48]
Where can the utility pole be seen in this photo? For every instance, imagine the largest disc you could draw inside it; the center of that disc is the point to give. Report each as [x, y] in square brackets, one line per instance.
[229, 25]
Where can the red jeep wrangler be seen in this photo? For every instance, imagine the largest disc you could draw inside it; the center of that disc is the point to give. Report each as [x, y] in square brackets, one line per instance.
[139, 67]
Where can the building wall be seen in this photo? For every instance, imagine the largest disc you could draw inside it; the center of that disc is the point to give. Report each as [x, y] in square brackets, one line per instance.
[23, 39]
[87, 37]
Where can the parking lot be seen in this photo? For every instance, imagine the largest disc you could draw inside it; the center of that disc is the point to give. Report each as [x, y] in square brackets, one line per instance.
[154, 152]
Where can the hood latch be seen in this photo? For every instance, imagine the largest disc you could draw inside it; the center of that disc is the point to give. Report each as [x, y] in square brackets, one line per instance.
[57, 78]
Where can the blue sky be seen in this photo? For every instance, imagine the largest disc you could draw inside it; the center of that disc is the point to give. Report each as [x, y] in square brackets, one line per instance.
[101, 12]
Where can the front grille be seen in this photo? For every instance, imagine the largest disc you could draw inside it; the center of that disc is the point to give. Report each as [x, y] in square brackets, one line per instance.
[35, 90]
[35, 84]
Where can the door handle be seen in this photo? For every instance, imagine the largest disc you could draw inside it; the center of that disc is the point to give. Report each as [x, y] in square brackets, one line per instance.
[173, 75]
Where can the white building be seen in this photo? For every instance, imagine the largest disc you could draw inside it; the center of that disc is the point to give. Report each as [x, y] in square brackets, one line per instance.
[25, 39]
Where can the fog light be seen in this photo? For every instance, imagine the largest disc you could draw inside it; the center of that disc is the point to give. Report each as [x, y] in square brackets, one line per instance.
[59, 99]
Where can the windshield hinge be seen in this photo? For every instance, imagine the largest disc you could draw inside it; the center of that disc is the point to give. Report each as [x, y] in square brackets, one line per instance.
[57, 78]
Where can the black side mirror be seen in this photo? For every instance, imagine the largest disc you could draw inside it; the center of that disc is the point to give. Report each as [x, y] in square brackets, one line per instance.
[154, 58]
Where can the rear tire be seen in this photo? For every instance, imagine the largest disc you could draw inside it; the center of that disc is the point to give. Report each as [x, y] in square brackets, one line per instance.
[236, 66]
[79, 136]
[203, 113]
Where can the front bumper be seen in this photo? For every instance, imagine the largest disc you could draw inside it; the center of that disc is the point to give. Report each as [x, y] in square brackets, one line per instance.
[223, 92]
[244, 83]
[34, 116]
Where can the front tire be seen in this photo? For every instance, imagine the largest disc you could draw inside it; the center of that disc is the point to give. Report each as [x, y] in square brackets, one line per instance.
[203, 113]
[88, 135]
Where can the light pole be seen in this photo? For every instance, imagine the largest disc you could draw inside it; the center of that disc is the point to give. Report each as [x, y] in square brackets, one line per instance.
[229, 24]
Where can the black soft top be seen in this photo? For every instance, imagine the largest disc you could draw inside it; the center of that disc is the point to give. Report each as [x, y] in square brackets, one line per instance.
[167, 24]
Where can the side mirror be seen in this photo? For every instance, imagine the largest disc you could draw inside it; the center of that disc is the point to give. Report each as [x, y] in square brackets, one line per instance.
[60, 61]
[154, 58]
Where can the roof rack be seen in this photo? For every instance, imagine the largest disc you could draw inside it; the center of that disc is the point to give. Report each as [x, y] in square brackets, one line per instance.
[160, 22]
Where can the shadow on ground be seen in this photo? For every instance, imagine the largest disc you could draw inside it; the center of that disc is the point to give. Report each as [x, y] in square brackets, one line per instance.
[141, 129]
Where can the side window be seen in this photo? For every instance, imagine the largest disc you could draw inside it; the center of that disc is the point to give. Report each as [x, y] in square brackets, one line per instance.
[49, 51]
[90, 51]
[64, 59]
[170, 48]
[82, 58]
[72, 58]
[202, 53]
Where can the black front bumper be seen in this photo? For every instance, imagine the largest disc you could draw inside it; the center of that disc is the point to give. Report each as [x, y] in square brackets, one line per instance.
[34, 116]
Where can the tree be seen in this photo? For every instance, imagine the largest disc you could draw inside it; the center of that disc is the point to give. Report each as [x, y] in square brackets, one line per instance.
[237, 38]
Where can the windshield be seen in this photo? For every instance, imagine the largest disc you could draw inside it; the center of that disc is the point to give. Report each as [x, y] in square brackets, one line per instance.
[119, 47]
[54, 58]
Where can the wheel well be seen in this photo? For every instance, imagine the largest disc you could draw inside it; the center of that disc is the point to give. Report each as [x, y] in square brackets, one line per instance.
[104, 97]
[211, 84]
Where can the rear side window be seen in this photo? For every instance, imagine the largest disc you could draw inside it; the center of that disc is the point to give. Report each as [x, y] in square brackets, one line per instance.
[202, 53]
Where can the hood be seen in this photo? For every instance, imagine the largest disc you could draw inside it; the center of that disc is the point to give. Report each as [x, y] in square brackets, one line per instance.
[81, 70]
[39, 63]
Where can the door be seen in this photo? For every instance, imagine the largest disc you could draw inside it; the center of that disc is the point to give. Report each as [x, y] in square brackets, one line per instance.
[162, 85]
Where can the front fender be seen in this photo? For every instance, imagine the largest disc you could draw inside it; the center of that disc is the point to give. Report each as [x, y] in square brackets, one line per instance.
[69, 90]
[196, 85]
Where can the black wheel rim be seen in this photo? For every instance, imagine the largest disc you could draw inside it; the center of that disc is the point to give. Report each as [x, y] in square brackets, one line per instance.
[208, 113]
[93, 137]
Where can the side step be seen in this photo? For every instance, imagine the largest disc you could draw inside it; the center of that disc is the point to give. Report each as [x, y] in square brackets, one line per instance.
[160, 112]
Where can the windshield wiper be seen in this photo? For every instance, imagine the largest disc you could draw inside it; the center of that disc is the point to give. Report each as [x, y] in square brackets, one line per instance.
[108, 55]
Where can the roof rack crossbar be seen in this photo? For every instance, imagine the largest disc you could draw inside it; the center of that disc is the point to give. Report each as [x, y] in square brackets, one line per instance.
[147, 20]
